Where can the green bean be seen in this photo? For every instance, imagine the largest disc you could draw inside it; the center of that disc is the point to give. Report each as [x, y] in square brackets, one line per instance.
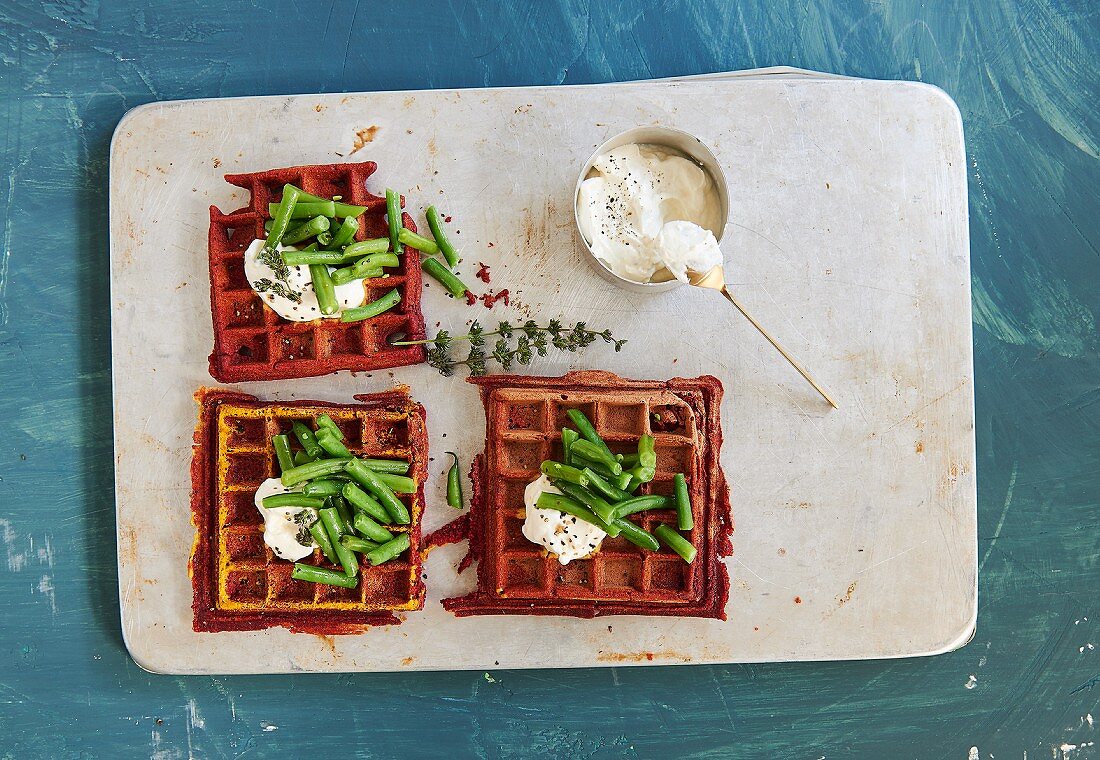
[637, 536]
[600, 454]
[454, 483]
[398, 466]
[334, 525]
[599, 506]
[586, 430]
[397, 483]
[305, 230]
[627, 460]
[419, 242]
[569, 436]
[366, 247]
[323, 287]
[320, 535]
[393, 216]
[292, 500]
[676, 542]
[281, 218]
[327, 487]
[570, 506]
[324, 239]
[372, 309]
[307, 439]
[351, 274]
[332, 258]
[331, 444]
[312, 471]
[643, 474]
[647, 456]
[368, 266]
[398, 512]
[456, 286]
[324, 421]
[598, 467]
[341, 505]
[342, 209]
[345, 210]
[389, 550]
[314, 574]
[559, 471]
[622, 481]
[370, 529]
[641, 504]
[604, 487]
[435, 223]
[301, 457]
[357, 544]
[364, 502]
[304, 210]
[282, 452]
[684, 520]
[346, 233]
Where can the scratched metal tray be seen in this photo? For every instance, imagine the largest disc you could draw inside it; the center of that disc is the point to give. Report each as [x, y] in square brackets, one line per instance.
[855, 529]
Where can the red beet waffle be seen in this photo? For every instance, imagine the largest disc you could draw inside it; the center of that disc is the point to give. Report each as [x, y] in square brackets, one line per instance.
[239, 584]
[251, 341]
[524, 416]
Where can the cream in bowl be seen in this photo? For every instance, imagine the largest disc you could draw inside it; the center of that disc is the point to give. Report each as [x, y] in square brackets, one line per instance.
[650, 211]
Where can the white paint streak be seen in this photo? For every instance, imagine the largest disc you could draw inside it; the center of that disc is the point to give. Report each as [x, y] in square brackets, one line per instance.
[971, 682]
[268, 727]
[45, 587]
[1004, 513]
[973, 754]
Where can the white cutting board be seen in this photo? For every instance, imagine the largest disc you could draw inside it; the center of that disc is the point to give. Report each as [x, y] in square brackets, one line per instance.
[855, 529]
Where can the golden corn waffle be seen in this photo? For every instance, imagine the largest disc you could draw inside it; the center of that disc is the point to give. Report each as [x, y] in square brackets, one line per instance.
[524, 417]
[239, 584]
[252, 342]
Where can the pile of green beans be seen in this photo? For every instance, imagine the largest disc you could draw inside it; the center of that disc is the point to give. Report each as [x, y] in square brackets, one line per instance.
[598, 486]
[354, 500]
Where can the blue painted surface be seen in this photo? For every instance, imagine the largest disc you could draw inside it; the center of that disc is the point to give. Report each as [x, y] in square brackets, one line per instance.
[1024, 73]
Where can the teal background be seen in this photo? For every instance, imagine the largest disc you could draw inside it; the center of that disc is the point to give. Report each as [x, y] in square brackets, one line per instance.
[1025, 75]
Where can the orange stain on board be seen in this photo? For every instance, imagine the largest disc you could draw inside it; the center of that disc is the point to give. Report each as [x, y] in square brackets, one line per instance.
[798, 600]
[363, 136]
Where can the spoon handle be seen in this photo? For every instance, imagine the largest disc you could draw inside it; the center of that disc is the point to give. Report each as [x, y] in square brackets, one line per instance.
[794, 362]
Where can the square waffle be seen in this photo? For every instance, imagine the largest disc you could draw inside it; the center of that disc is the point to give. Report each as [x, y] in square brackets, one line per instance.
[239, 584]
[251, 341]
[524, 417]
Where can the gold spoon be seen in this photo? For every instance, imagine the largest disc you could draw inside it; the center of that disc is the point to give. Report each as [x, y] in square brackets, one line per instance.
[715, 279]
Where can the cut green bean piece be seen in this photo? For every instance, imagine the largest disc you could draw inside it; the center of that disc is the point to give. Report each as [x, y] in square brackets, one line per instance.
[393, 216]
[437, 270]
[676, 542]
[622, 481]
[587, 431]
[305, 230]
[600, 454]
[372, 309]
[344, 210]
[398, 512]
[304, 258]
[628, 460]
[282, 452]
[351, 274]
[598, 467]
[331, 444]
[368, 266]
[292, 500]
[367, 247]
[643, 474]
[435, 224]
[398, 466]
[323, 488]
[569, 436]
[647, 456]
[314, 574]
[558, 471]
[323, 287]
[308, 440]
[357, 544]
[419, 242]
[324, 239]
[320, 535]
[306, 209]
[281, 218]
[389, 550]
[334, 525]
[398, 483]
[641, 504]
[344, 510]
[370, 529]
[346, 232]
[301, 457]
[454, 483]
[604, 487]
[312, 471]
[365, 503]
[324, 421]
[684, 520]
[598, 505]
[637, 536]
[571, 506]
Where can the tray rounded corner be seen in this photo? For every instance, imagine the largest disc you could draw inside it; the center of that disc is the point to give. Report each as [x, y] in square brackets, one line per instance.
[146, 660]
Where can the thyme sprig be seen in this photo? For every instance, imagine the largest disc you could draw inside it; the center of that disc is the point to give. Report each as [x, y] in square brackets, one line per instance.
[263, 285]
[274, 260]
[514, 345]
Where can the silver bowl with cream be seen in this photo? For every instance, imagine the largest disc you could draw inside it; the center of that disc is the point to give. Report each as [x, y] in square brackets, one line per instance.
[623, 222]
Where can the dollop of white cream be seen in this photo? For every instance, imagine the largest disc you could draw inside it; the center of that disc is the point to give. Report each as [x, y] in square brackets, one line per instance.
[281, 530]
[565, 536]
[631, 195]
[348, 295]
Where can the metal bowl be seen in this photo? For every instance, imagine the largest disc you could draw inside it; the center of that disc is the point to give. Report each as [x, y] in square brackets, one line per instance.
[679, 141]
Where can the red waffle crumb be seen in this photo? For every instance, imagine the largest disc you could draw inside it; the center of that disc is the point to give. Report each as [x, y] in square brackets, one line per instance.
[471, 299]
[490, 300]
[523, 415]
[447, 219]
[251, 342]
[483, 272]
